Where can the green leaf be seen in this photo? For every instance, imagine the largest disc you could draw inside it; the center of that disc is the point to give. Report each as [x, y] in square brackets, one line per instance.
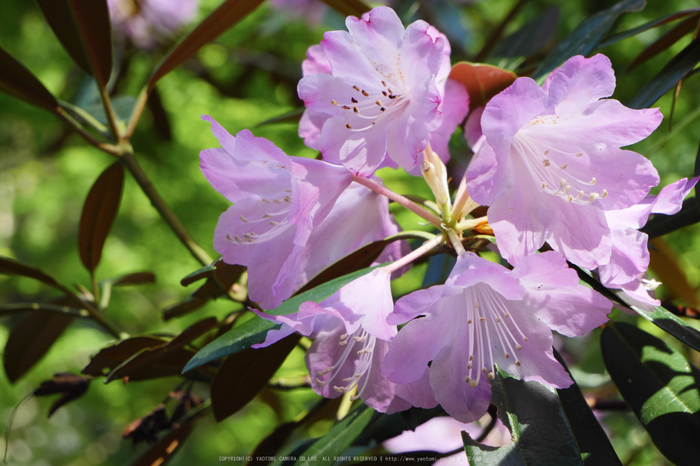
[584, 39]
[19, 82]
[540, 432]
[339, 438]
[229, 13]
[590, 436]
[254, 331]
[83, 27]
[100, 210]
[660, 386]
[666, 79]
[531, 37]
[646, 26]
[665, 42]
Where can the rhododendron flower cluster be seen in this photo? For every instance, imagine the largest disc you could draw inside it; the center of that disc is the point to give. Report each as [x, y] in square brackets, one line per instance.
[143, 22]
[549, 166]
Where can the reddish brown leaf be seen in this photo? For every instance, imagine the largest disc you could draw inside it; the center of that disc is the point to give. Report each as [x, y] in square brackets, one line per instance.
[186, 401]
[229, 13]
[670, 273]
[83, 27]
[664, 42]
[244, 374]
[136, 278]
[348, 7]
[112, 356]
[204, 272]
[19, 82]
[99, 212]
[165, 360]
[13, 267]
[147, 427]
[31, 339]
[183, 307]
[482, 81]
[163, 450]
[71, 387]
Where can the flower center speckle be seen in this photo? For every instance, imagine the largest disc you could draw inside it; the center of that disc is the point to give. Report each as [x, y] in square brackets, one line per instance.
[364, 363]
[366, 109]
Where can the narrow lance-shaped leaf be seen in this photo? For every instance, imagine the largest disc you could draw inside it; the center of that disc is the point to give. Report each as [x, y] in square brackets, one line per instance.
[660, 386]
[19, 82]
[665, 42]
[244, 374]
[540, 432]
[99, 212]
[585, 37]
[645, 27]
[84, 29]
[14, 267]
[590, 436]
[666, 79]
[531, 37]
[341, 436]
[229, 13]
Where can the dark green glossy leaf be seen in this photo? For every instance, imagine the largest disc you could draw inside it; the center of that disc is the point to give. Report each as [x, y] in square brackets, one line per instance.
[99, 211]
[531, 37]
[668, 77]
[540, 432]
[122, 105]
[254, 330]
[645, 27]
[590, 436]
[84, 29]
[244, 374]
[229, 13]
[19, 82]
[584, 39]
[339, 438]
[660, 386]
[664, 42]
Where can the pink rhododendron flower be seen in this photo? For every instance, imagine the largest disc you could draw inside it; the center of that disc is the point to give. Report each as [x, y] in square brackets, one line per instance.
[552, 165]
[278, 202]
[351, 338]
[484, 315]
[145, 21]
[379, 96]
[630, 255]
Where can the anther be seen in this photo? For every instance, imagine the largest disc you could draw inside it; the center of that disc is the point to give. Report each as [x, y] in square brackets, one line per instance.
[593, 197]
[355, 109]
[345, 107]
[563, 167]
[266, 201]
[243, 219]
[569, 198]
[605, 194]
[267, 216]
[276, 201]
[392, 97]
[546, 162]
[518, 347]
[364, 93]
[580, 195]
[468, 379]
[378, 103]
[469, 321]
[476, 304]
[382, 109]
[472, 383]
[482, 319]
[384, 93]
[491, 376]
[320, 382]
[546, 152]
[507, 355]
[353, 100]
[498, 319]
[484, 370]
[338, 389]
[525, 339]
[593, 181]
[360, 339]
[469, 366]
[383, 84]
[517, 363]
[471, 357]
[356, 88]
[347, 125]
[273, 223]
[579, 155]
[506, 315]
[543, 185]
[334, 102]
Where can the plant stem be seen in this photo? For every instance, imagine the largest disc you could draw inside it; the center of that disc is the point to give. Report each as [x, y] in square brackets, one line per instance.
[413, 255]
[136, 113]
[75, 126]
[109, 112]
[399, 199]
[168, 215]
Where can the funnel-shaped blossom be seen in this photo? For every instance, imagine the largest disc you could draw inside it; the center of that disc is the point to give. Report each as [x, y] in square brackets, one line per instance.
[483, 315]
[378, 97]
[630, 255]
[351, 338]
[278, 203]
[552, 165]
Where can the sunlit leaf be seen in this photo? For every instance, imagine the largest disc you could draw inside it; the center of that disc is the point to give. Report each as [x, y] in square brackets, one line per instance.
[584, 39]
[99, 211]
[531, 37]
[660, 386]
[482, 81]
[31, 339]
[84, 29]
[19, 82]
[646, 26]
[540, 432]
[341, 436]
[244, 374]
[229, 13]
[254, 330]
[666, 79]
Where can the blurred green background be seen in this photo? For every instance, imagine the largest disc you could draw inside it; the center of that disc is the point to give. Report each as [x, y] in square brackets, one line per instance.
[245, 77]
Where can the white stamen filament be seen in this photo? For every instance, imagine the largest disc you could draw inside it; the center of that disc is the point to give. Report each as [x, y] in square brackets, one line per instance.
[363, 366]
